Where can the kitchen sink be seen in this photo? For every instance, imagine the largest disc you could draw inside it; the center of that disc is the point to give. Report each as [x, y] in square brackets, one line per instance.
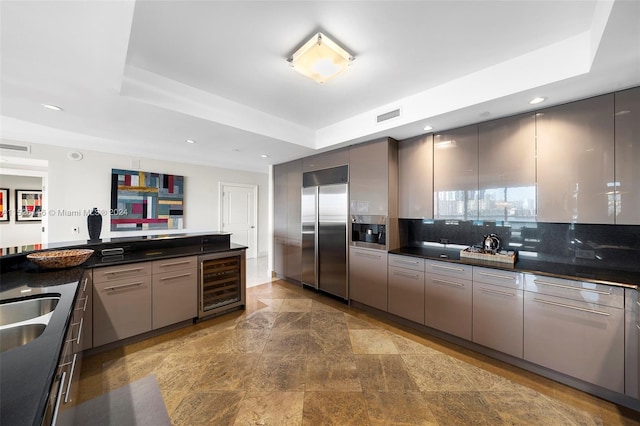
[14, 337]
[24, 310]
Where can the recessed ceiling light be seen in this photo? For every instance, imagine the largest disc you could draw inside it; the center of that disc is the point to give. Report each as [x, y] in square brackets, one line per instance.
[189, 141]
[320, 58]
[427, 128]
[264, 156]
[537, 100]
[52, 107]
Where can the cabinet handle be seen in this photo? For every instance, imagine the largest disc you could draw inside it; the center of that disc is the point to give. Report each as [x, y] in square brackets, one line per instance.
[73, 367]
[369, 256]
[450, 268]
[638, 327]
[84, 284]
[502, 277]
[184, 262]
[79, 334]
[638, 302]
[124, 271]
[576, 308]
[449, 283]
[58, 399]
[188, 274]
[116, 287]
[504, 293]
[406, 262]
[407, 275]
[568, 287]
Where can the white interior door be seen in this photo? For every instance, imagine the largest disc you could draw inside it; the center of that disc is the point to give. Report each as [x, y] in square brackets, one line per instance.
[239, 215]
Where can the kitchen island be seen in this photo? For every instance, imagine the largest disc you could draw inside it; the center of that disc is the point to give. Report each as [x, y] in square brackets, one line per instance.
[37, 376]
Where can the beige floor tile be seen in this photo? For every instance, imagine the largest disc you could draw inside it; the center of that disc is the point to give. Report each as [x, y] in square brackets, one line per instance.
[279, 372]
[462, 408]
[235, 341]
[335, 409]
[328, 320]
[226, 372]
[293, 320]
[272, 305]
[287, 341]
[398, 408]
[372, 342]
[296, 305]
[337, 372]
[207, 408]
[437, 373]
[329, 341]
[271, 409]
[258, 320]
[384, 373]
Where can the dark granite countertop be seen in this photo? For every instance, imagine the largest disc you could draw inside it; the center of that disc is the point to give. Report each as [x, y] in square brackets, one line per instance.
[27, 372]
[628, 279]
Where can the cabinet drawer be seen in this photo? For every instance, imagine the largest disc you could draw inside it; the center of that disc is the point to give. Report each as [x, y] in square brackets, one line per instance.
[406, 293]
[175, 297]
[600, 294]
[498, 277]
[114, 273]
[449, 269]
[121, 309]
[408, 262]
[168, 265]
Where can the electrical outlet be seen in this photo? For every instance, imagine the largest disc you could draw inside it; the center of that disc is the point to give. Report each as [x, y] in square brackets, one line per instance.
[75, 230]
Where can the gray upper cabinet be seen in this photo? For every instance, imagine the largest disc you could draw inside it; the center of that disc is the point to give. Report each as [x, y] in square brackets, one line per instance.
[507, 169]
[373, 178]
[576, 162]
[627, 142]
[415, 178]
[455, 174]
[326, 160]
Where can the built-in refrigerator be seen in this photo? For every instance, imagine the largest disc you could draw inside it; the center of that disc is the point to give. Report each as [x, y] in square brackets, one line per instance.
[325, 212]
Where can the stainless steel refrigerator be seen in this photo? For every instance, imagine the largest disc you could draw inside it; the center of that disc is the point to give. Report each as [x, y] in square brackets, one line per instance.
[325, 210]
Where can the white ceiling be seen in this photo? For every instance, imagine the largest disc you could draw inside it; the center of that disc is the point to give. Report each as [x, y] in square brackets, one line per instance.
[140, 77]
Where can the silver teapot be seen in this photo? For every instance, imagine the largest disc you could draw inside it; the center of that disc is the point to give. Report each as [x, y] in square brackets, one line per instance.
[491, 243]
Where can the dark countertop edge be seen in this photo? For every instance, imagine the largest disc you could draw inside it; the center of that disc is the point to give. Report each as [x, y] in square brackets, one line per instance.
[31, 248]
[431, 255]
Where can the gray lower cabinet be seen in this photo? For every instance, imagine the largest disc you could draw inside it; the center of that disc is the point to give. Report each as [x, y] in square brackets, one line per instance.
[448, 297]
[498, 310]
[293, 259]
[576, 328]
[174, 291]
[86, 342]
[406, 287]
[368, 277]
[631, 343]
[121, 307]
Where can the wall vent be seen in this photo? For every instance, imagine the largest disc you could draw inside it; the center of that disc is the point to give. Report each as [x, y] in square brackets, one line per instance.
[20, 148]
[388, 115]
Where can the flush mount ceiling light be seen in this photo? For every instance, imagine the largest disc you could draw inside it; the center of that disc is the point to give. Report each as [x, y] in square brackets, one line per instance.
[264, 156]
[427, 128]
[190, 141]
[537, 100]
[320, 59]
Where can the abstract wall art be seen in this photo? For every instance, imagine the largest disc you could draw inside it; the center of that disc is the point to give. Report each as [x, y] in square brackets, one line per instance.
[146, 201]
[4, 204]
[28, 205]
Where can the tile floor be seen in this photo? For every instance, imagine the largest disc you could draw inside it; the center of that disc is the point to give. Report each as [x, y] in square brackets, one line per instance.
[294, 357]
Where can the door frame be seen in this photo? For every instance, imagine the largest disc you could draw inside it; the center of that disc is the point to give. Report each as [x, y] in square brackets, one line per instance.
[252, 252]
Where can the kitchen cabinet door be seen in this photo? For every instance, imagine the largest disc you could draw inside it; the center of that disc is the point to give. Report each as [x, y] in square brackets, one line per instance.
[368, 277]
[280, 199]
[415, 178]
[326, 160]
[631, 340]
[455, 174]
[627, 143]
[507, 169]
[280, 256]
[294, 200]
[293, 264]
[498, 310]
[406, 293]
[175, 297]
[447, 298]
[121, 309]
[373, 178]
[582, 340]
[575, 169]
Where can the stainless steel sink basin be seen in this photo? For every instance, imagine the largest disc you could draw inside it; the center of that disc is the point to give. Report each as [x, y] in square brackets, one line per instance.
[14, 337]
[24, 310]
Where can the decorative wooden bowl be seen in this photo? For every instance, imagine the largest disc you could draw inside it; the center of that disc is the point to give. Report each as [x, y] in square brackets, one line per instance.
[58, 259]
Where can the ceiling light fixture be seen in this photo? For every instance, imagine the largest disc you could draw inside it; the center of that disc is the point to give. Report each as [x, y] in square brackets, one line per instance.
[320, 59]
[537, 100]
[427, 128]
[189, 141]
[52, 107]
[264, 156]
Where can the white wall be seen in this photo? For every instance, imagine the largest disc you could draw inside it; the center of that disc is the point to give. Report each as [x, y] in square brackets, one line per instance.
[14, 233]
[74, 187]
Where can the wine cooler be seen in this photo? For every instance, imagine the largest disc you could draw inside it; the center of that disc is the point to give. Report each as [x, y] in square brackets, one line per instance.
[222, 282]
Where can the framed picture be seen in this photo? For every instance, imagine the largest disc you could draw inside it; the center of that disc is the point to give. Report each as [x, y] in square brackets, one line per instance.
[28, 205]
[4, 205]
